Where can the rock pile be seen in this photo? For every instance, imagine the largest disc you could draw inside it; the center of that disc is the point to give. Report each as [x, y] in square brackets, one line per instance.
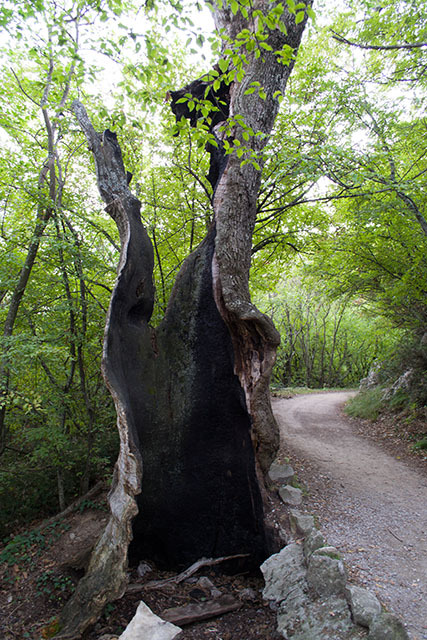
[307, 583]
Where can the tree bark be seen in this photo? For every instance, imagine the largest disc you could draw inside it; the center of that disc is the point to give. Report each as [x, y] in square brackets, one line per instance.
[192, 399]
[254, 337]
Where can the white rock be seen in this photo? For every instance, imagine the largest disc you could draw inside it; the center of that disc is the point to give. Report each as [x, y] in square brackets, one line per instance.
[145, 625]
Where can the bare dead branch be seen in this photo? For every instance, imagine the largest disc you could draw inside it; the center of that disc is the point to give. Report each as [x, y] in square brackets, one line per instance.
[203, 562]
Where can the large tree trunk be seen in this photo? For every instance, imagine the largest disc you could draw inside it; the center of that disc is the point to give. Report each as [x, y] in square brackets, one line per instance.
[194, 416]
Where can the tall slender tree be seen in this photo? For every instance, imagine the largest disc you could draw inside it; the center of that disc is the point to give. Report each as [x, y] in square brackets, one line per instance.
[50, 188]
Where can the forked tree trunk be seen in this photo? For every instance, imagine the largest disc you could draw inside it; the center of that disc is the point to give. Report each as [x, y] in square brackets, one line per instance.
[196, 427]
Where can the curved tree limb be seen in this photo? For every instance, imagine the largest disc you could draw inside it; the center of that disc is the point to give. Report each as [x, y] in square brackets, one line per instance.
[390, 47]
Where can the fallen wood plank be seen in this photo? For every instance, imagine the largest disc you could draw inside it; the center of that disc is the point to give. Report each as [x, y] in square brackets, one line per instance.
[198, 611]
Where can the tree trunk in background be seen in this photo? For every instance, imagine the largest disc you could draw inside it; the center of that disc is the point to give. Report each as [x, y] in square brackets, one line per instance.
[196, 427]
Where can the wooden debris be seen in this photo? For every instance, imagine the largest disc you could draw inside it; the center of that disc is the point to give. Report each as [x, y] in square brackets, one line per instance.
[203, 562]
[198, 611]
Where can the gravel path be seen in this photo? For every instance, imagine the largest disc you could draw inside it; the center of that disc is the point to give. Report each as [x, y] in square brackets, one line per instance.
[369, 504]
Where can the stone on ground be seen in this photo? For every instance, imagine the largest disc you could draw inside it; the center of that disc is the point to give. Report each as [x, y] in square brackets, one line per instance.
[145, 625]
[364, 605]
[281, 473]
[327, 619]
[326, 575]
[290, 495]
[386, 626]
[312, 542]
[282, 572]
[301, 523]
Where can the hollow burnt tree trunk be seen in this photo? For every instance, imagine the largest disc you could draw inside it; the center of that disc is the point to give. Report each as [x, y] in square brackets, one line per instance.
[196, 428]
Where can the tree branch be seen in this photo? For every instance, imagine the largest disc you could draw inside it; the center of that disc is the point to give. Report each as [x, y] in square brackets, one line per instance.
[391, 47]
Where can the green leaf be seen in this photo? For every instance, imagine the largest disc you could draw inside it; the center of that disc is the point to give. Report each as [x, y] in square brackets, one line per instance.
[223, 64]
[291, 6]
[311, 14]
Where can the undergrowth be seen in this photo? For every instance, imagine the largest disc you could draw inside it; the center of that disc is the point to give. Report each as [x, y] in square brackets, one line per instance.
[409, 419]
[28, 546]
[366, 404]
[289, 392]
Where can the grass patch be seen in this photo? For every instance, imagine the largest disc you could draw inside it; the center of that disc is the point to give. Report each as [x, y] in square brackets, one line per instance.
[421, 445]
[289, 392]
[366, 404]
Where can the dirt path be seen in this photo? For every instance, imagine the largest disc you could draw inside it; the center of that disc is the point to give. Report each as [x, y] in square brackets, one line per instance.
[369, 504]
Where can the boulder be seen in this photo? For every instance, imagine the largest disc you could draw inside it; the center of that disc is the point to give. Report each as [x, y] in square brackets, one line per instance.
[283, 572]
[282, 473]
[327, 619]
[301, 523]
[291, 495]
[385, 626]
[326, 576]
[145, 625]
[292, 611]
[364, 605]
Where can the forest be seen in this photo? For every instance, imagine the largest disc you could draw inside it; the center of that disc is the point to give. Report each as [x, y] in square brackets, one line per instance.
[339, 244]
